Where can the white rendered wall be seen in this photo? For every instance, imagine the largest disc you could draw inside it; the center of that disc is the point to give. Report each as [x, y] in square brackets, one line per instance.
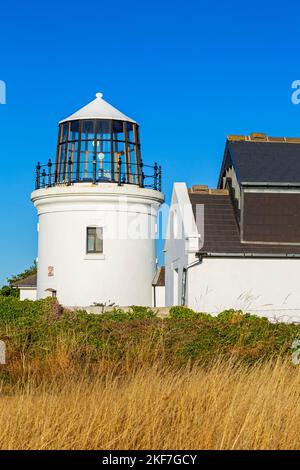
[267, 287]
[263, 286]
[182, 241]
[123, 274]
[27, 294]
[159, 296]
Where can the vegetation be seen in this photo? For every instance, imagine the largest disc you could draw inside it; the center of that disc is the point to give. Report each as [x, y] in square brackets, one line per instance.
[133, 380]
[27, 272]
[225, 406]
[184, 336]
[8, 290]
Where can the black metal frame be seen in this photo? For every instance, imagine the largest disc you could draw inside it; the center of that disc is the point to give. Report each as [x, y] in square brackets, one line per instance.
[70, 169]
[46, 178]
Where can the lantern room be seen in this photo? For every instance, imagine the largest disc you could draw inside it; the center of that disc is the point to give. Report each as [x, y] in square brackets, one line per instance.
[98, 144]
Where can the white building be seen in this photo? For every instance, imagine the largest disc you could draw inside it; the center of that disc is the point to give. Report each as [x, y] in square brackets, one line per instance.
[97, 208]
[239, 246]
[27, 287]
[158, 285]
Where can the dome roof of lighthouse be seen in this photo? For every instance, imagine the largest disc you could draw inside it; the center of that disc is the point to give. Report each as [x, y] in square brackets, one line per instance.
[98, 109]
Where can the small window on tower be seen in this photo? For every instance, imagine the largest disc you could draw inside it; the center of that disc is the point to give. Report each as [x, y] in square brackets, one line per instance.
[94, 240]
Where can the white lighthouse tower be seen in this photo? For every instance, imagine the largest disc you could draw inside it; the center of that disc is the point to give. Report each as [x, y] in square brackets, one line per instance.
[97, 208]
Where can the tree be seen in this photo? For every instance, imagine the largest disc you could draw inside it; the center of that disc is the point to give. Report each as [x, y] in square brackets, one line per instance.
[28, 272]
[9, 290]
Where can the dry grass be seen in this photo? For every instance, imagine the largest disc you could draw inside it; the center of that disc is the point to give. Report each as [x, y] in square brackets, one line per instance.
[223, 406]
[79, 381]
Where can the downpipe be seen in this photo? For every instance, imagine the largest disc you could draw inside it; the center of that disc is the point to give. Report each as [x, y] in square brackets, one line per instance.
[185, 276]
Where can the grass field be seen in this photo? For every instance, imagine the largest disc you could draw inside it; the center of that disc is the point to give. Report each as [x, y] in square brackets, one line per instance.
[134, 381]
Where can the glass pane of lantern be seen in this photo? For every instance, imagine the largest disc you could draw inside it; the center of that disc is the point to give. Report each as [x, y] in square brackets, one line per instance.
[130, 136]
[133, 166]
[136, 132]
[62, 162]
[104, 168]
[119, 155]
[74, 132]
[87, 130]
[102, 130]
[103, 151]
[72, 157]
[64, 132]
[118, 133]
[86, 164]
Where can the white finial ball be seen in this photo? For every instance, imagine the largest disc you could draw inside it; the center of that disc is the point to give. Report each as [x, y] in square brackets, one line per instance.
[99, 95]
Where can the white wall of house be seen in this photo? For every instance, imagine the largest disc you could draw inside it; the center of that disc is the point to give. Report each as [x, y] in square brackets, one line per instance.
[263, 286]
[123, 274]
[268, 287]
[27, 293]
[182, 241]
[160, 296]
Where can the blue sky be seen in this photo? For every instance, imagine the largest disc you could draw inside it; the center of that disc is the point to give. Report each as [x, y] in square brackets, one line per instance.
[189, 72]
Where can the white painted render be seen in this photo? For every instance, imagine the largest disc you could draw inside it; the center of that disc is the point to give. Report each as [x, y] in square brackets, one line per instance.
[123, 274]
[267, 287]
[160, 295]
[182, 241]
[27, 293]
[264, 286]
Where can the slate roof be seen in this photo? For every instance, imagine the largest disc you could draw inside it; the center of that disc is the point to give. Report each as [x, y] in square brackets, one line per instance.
[29, 281]
[270, 162]
[221, 232]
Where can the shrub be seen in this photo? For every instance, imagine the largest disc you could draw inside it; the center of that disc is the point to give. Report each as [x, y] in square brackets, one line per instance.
[13, 310]
[7, 291]
[231, 315]
[185, 312]
[42, 329]
[142, 312]
[135, 312]
[238, 316]
[181, 311]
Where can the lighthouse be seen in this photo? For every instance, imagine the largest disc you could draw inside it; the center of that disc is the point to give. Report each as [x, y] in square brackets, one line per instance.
[97, 207]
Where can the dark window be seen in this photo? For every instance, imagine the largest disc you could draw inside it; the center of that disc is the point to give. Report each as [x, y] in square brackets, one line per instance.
[94, 240]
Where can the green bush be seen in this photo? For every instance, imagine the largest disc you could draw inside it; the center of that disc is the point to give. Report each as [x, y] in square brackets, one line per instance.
[14, 310]
[7, 291]
[230, 315]
[238, 316]
[135, 312]
[181, 312]
[188, 313]
[142, 312]
[39, 327]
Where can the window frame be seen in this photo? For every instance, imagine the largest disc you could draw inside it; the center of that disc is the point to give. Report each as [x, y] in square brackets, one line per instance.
[94, 252]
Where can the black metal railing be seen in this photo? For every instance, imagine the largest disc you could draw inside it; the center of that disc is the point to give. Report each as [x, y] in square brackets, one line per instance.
[145, 176]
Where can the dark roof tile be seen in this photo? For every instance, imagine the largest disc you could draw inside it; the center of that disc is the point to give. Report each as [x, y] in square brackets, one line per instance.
[221, 232]
[270, 162]
[29, 281]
